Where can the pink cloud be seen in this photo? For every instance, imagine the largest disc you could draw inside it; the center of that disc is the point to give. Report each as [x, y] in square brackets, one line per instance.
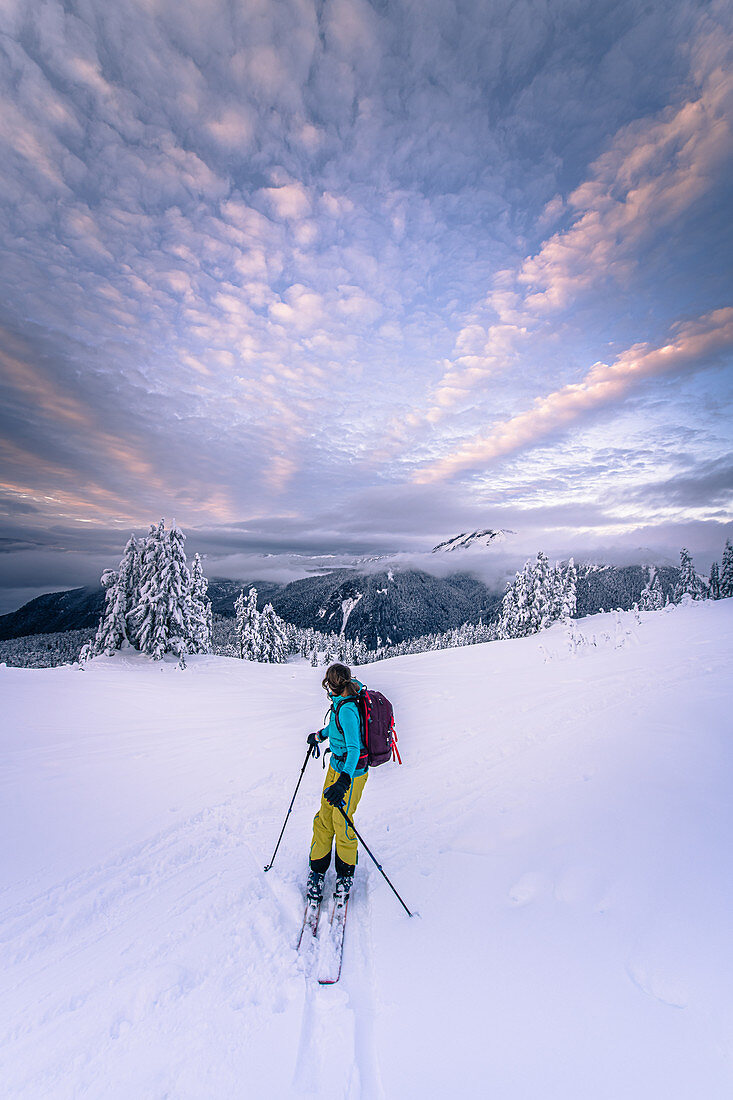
[690, 345]
[651, 175]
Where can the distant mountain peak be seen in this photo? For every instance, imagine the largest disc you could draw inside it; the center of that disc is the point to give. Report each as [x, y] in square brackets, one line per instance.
[488, 537]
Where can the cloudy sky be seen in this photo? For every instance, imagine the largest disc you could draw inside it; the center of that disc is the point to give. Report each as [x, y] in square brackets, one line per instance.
[354, 276]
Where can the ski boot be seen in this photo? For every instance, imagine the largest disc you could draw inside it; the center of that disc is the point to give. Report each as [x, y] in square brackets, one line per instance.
[314, 888]
[342, 889]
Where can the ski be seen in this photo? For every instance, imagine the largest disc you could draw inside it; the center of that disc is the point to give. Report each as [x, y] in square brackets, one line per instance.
[332, 947]
[309, 926]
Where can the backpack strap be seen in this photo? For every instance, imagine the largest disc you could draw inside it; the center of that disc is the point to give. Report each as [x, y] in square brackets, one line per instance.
[337, 708]
[364, 755]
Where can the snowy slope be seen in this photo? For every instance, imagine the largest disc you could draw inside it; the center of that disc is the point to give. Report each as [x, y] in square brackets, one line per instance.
[563, 825]
[474, 540]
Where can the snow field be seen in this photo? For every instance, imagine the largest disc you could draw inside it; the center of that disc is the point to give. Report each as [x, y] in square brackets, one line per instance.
[562, 824]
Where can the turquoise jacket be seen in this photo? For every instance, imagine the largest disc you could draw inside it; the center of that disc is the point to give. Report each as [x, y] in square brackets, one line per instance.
[349, 746]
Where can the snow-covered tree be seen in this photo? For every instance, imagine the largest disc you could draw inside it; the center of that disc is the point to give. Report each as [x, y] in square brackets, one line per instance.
[147, 615]
[726, 572]
[652, 597]
[163, 614]
[112, 630]
[524, 599]
[714, 582]
[569, 592]
[689, 583]
[178, 590]
[130, 567]
[273, 637]
[249, 632]
[122, 587]
[508, 613]
[542, 595]
[150, 601]
[201, 615]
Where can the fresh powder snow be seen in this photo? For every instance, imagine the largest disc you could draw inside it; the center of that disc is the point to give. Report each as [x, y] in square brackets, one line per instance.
[562, 824]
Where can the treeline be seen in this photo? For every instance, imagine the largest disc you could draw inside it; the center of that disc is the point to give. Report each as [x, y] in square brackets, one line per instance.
[44, 650]
[156, 605]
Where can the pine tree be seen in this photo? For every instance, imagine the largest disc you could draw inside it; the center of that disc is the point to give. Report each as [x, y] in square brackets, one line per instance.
[569, 598]
[240, 612]
[714, 582]
[130, 568]
[652, 597]
[542, 594]
[249, 628]
[689, 581]
[201, 614]
[508, 614]
[111, 631]
[273, 641]
[557, 576]
[726, 572]
[524, 596]
[176, 596]
[115, 627]
[150, 599]
[148, 616]
[163, 613]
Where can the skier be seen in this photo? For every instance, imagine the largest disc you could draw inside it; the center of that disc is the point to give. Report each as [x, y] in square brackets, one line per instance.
[344, 784]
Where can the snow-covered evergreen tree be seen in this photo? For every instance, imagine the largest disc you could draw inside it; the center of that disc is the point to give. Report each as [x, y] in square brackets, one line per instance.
[273, 640]
[726, 572]
[557, 575]
[542, 594]
[150, 600]
[249, 629]
[569, 592]
[130, 567]
[652, 597]
[147, 615]
[689, 583]
[714, 582]
[122, 585]
[538, 596]
[163, 613]
[508, 613]
[240, 612]
[524, 599]
[201, 616]
[111, 631]
[177, 592]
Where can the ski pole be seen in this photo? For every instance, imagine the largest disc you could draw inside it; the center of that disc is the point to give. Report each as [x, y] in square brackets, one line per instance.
[351, 825]
[287, 815]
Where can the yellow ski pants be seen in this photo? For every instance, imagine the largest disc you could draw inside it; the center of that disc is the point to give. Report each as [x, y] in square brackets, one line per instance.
[329, 822]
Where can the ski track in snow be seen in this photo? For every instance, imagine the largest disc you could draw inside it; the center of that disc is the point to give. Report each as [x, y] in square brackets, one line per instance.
[340, 1061]
[561, 823]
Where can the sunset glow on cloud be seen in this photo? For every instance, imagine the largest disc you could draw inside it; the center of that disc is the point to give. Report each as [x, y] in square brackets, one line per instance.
[342, 277]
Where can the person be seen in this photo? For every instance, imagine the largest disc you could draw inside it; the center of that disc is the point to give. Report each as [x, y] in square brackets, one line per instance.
[344, 785]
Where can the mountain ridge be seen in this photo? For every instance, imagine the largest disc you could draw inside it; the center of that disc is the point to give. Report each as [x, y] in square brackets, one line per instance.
[486, 537]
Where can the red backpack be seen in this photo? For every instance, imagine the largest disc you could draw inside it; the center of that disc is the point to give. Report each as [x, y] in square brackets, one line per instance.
[378, 734]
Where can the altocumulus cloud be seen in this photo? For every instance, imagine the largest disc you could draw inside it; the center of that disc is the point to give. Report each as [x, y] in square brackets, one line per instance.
[267, 267]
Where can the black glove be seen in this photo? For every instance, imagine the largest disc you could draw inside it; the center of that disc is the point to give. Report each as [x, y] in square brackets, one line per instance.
[335, 793]
[314, 740]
